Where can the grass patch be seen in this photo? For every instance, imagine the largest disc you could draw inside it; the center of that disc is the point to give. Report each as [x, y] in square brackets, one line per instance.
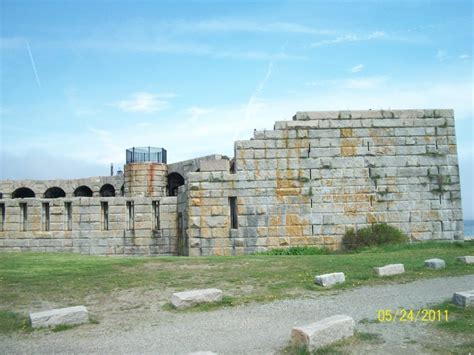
[67, 279]
[12, 322]
[340, 347]
[460, 319]
[63, 327]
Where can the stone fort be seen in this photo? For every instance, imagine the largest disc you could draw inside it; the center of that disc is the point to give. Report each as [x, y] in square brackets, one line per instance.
[305, 182]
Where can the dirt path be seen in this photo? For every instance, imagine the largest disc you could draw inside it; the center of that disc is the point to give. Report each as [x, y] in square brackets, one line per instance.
[252, 329]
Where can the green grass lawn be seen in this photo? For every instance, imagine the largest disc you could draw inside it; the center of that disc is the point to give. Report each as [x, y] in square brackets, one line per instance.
[68, 278]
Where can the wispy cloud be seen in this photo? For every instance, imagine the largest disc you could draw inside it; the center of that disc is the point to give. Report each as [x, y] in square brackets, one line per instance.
[235, 25]
[33, 64]
[253, 100]
[357, 68]
[196, 112]
[360, 83]
[464, 56]
[352, 38]
[144, 102]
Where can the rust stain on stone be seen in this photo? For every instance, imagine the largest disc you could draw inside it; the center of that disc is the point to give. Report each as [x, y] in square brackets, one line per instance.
[151, 179]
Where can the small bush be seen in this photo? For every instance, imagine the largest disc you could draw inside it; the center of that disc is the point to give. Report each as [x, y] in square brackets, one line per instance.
[375, 235]
[303, 250]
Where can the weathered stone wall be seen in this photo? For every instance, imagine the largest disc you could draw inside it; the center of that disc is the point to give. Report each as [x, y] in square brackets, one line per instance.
[146, 179]
[87, 234]
[39, 187]
[309, 180]
[303, 183]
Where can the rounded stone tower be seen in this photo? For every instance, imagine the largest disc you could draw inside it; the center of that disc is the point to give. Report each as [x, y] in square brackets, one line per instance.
[146, 172]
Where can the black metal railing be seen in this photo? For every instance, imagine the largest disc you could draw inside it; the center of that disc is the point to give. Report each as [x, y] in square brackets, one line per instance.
[146, 154]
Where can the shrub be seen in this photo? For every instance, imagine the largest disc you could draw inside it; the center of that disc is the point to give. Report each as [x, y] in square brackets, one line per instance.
[303, 250]
[376, 234]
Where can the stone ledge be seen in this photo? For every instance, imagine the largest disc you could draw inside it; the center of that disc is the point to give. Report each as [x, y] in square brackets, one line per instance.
[323, 332]
[61, 316]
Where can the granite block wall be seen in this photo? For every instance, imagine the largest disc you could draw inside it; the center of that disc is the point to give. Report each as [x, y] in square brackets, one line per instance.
[308, 180]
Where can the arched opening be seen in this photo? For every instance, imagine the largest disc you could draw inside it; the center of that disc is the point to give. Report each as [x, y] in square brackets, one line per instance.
[175, 180]
[54, 192]
[83, 191]
[23, 192]
[107, 191]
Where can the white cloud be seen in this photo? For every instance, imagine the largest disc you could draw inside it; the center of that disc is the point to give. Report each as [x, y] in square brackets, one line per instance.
[360, 83]
[144, 102]
[352, 38]
[464, 56]
[357, 68]
[441, 55]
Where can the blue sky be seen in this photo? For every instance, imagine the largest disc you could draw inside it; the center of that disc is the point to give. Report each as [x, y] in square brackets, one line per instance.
[81, 81]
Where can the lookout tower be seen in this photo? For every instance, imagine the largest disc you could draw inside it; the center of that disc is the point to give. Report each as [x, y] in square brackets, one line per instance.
[145, 172]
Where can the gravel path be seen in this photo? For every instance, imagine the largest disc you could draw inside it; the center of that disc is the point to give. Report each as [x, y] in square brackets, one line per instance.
[252, 329]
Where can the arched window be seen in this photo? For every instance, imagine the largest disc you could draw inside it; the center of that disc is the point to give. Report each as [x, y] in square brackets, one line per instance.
[23, 192]
[54, 192]
[83, 191]
[175, 180]
[107, 191]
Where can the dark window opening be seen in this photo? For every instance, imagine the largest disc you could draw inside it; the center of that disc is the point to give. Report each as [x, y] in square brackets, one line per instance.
[105, 215]
[156, 214]
[23, 192]
[83, 191]
[68, 216]
[130, 215]
[45, 217]
[232, 166]
[23, 217]
[54, 192]
[107, 191]
[175, 180]
[233, 212]
[122, 190]
[2, 217]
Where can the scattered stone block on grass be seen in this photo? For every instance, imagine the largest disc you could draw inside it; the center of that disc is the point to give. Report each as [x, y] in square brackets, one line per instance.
[328, 280]
[464, 299]
[61, 316]
[324, 332]
[468, 259]
[194, 297]
[389, 270]
[435, 263]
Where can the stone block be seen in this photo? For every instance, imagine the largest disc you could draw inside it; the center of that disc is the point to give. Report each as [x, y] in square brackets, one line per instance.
[464, 299]
[191, 298]
[468, 259]
[61, 316]
[323, 332]
[389, 270]
[328, 280]
[435, 263]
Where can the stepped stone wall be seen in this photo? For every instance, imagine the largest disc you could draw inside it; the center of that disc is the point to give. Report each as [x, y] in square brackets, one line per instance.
[309, 180]
[306, 182]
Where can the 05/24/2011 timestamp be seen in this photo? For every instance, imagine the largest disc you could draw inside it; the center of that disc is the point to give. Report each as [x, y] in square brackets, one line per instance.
[410, 315]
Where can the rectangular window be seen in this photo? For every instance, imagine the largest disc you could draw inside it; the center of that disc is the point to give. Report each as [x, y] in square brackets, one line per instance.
[105, 215]
[45, 216]
[2, 217]
[23, 216]
[68, 216]
[156, 214]
[234, 223]
[130, 216]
